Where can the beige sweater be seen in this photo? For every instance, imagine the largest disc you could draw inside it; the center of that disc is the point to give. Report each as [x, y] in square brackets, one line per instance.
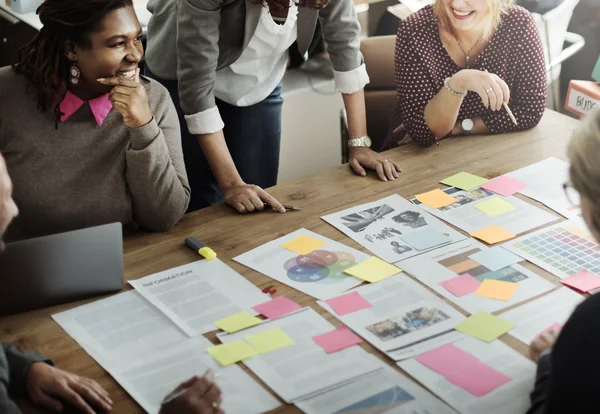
[82, 174]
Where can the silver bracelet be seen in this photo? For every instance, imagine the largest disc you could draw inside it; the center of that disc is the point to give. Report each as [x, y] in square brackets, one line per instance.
[452, 91]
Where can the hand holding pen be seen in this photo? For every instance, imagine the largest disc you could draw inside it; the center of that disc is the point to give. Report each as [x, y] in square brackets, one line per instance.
[198, 395]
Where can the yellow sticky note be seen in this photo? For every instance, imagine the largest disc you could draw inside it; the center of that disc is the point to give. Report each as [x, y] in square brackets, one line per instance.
[303, 244]
[493, 234]
[484, 326]
[495, 206]
[436, 199]
[373, 270]
[497, 289]
[227, 354]
[464, 181]
[269, 341]
[237, 322]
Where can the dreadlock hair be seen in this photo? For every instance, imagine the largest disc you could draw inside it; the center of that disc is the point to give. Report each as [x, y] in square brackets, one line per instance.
[43, 61]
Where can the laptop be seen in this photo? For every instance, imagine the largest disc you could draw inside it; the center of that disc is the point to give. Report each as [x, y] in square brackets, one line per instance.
[61, 268]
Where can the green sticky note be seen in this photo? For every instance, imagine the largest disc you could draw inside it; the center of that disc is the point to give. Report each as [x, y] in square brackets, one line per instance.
[495, 207]
[237, 322]
[464, 181]
[373, 270]
[484, 326]
[269, 341]
[227, 354]
[596, 72]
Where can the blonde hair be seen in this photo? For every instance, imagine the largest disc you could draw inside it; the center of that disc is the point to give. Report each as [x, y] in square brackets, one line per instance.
[497, 9]
[584, 156]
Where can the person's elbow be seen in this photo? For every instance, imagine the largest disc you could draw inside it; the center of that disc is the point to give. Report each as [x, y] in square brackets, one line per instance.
[165, 215]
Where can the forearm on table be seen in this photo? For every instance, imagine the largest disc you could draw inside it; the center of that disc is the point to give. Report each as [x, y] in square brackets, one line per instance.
[441, 113]
[356, 114]
[217, 154]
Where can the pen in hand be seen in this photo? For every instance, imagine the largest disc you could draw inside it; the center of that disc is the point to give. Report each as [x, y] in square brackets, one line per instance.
[209, 375]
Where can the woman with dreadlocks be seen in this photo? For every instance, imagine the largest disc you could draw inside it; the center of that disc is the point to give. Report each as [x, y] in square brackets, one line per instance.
[88, 141]
[223, 62]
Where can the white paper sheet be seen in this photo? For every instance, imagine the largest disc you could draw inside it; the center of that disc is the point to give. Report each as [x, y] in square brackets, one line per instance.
[379, 226]
[536, 316]
[303, 369]
[512, 397]
[386, 391]
[563, 249]
[197, 294]
[544, 180]
[443, 264]
[466, 217]
[149, 356]
[319, 274]
[403, 317]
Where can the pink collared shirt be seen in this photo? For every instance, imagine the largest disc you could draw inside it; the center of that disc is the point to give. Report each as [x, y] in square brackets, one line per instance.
[100, 107]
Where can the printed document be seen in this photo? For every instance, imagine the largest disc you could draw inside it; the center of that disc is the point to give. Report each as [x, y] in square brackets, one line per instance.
[195, 295]
[393, 229]
[403, 315]
[383, 391]
[303, 369]
[511, 397]
[433, 268]
[149, 356]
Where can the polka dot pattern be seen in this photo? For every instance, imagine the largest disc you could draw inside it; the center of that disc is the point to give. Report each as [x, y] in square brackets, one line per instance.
[514, 53]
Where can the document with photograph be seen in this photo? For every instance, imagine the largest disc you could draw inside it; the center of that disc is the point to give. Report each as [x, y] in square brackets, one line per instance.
[445, 264]
[518, 216]
[319, 273]
[545, 181]
[195, 295]
[393, 229]
[303, 369]
[403, 317]
[149, 356]
[534, 317]
[510, 397]
[383, 391]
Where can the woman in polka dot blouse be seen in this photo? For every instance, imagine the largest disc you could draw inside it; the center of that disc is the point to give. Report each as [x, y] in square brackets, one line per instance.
[457, 62]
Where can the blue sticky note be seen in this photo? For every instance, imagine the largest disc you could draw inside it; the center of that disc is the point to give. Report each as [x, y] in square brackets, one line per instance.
[596, 72]
[425, 239]
[495, 258]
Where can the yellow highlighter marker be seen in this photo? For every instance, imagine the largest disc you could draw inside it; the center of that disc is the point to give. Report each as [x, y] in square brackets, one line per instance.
[204, 251]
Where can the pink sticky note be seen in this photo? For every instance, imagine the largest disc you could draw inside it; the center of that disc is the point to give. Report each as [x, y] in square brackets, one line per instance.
[583, 281]
[336, 340]
[348, 303]
[276, 308]
[478, 379]
[461, 285]
[505, 186]
[556, 326]
[447, 359]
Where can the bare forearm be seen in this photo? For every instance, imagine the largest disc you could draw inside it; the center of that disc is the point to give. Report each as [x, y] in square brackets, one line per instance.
[441, 112]
[218, 156]
[356, 113]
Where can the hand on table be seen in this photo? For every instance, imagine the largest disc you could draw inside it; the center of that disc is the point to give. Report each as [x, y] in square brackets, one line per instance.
[130, 99]
[202, 396]
[361, 158]
[492, 90]
[541, 343]
[247, 198]
[51, 387]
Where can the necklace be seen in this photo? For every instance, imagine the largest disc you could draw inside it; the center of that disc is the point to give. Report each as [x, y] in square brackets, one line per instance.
[467, 53]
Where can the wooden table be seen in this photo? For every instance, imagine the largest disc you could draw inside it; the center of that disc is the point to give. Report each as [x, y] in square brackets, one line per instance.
[231, 234]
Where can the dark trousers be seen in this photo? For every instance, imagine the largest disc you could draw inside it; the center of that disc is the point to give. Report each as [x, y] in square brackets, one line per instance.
[252, 134]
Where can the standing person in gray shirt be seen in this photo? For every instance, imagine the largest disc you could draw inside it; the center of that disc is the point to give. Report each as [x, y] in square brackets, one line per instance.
[223, 62]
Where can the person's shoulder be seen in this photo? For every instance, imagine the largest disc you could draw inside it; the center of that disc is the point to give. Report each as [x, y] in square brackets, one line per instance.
[419, 21]
[517, 16]
[9, 79]
[589, 308]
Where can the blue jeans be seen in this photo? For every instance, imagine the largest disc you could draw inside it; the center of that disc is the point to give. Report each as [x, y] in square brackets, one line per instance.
[252, 134]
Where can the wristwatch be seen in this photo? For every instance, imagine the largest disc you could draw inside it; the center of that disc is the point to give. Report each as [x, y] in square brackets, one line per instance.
[362, 142]
[467, 126]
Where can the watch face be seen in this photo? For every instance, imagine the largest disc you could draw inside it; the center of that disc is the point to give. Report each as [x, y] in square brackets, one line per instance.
[367, 142]
[467, 124]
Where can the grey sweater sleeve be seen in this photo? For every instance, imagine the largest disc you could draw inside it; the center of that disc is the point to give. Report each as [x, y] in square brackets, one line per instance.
[155, 168]
[341, 31]
[13, 373]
